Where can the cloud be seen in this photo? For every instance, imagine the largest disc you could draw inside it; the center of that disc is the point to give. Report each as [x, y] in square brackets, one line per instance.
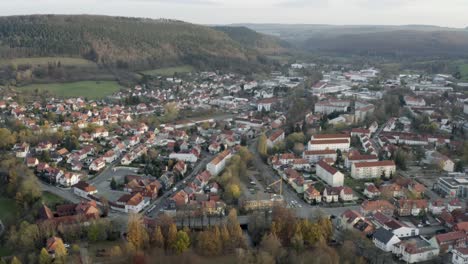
[182, 2]
[302, 3]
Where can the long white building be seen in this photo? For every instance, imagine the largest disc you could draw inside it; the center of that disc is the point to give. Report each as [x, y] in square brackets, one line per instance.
[329, 141]
[219, 162]
[373, 169]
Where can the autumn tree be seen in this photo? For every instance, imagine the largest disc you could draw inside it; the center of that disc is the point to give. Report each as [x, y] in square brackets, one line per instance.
[182, 242]
[171, 237]
[15, 260]
[157, 239]
[136, 232]
[271, 244]
[207, 245]
[60, 252]
[44, 257]
[262, 147]
[234, 229]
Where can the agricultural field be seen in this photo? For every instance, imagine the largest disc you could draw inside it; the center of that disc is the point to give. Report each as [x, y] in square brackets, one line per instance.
[64, 61]
[169, 71]
[87, 89]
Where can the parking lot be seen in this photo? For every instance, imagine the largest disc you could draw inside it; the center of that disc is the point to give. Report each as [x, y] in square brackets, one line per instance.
[103, 180]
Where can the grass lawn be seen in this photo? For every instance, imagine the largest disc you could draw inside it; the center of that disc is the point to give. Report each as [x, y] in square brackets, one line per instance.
[51, 199]
[464, 71]
[170, 70]
[4, 251]
[64, 61]
[8, 210]
[88, 89]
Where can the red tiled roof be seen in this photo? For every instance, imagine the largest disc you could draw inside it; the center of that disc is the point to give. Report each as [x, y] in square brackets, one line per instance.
[327, 167]
[374, 164]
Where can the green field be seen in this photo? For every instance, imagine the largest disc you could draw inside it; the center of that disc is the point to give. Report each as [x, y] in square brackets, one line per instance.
[88, 89]
[51, 199]
[8, 209]
[170, 70]
[65, 61]
[464, 71]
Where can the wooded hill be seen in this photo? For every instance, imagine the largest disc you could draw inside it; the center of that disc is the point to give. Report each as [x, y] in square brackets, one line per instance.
[399, 42]
[132, 43]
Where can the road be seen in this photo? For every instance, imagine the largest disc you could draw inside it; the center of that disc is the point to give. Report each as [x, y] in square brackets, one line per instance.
[160, 202]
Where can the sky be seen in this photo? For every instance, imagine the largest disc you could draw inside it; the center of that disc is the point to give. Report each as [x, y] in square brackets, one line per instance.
[450, 13]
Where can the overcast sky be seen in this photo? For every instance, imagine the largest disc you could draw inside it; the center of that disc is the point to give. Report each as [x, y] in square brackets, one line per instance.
[451, 13]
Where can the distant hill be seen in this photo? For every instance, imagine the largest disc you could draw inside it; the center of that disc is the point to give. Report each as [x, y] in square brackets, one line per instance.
[393, 41]
[132, 43]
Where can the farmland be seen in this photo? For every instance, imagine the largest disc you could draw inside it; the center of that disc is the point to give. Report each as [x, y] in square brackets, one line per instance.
[87, 89]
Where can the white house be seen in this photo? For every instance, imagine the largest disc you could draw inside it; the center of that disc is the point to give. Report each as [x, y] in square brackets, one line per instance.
[375, 169]
[185, 156]
[329, 174]
[219, 162]
[83, 189]
[415, 250]
[131, 203]
[69, 179]
[460, 255]
[329, 141]
[97, 165]
[384, 239]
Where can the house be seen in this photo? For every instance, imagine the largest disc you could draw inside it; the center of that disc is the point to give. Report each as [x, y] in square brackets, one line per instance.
[392, 190]
[460, 255]
[448, 241]
[311, 195]
[275, 137]
[187, 156]
[355, 157]
[400, 229]
[313, 156]
[21, 150]
[180, 198]
[383, 206]
[69, 178]
[131, 203]
[329, 141]
[406, 207]
[214, 148]
[384, 239]
[266, 104]
[346, 194]
[218, 163]
[331, 194]
[414, 101]
[453, 205]
[375, 169]
[301, 165]
[352, 220]
[110, 156]
[415, 250]
[97, 165]
[32, 162]
[83, 189]
[180, 167]
[441, 161]
[371, 191]
[329, 174]
[436, 207]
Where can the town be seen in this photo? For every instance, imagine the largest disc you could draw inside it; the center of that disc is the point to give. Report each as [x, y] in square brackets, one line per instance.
[382, 157]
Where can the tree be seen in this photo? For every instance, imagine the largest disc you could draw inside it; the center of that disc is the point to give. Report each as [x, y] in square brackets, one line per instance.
[113, 184]
[136, 232]
[157, 239]
[171, 112]
[234, 229]
[116, 251]
[271, 244]
[262, 147]
[232, 192]
[182, 242]
[400, 159]
[207, 245]
[60, 252]
[44, 257]
[171, 237]
[15, 260]
[224, 236]
[7, 139]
